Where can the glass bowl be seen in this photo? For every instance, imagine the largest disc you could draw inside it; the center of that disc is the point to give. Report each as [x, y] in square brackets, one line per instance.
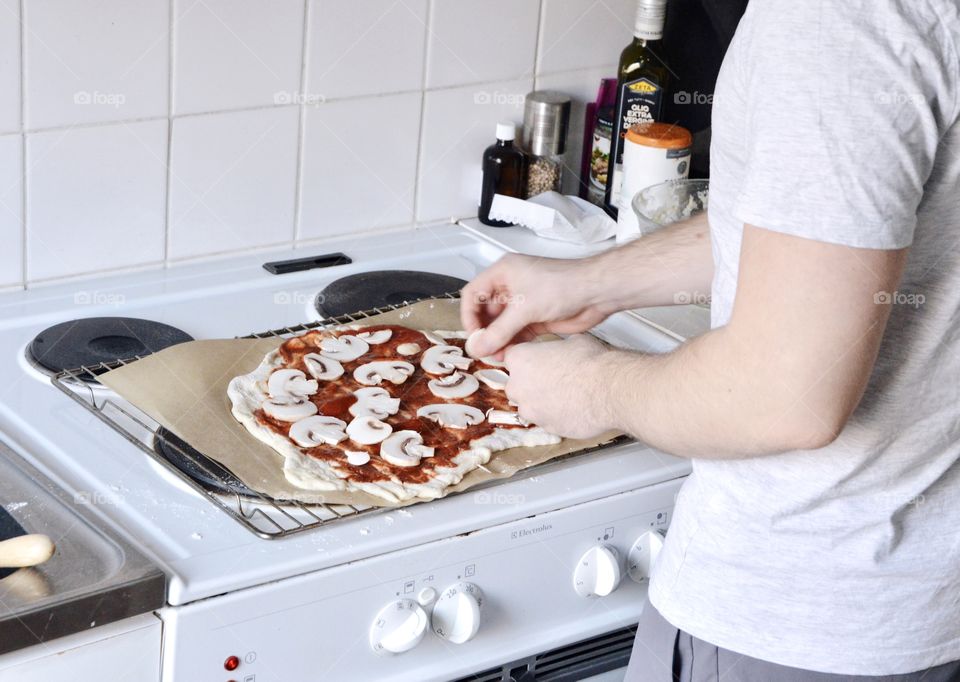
[669, 202]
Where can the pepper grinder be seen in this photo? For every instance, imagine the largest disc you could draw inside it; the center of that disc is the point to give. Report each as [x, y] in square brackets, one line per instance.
[546, 114]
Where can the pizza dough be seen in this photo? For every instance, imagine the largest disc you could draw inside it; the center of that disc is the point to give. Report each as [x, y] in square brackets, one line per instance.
[395, 412]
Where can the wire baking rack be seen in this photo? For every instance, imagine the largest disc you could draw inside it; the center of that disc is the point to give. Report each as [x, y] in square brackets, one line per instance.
[264, 516]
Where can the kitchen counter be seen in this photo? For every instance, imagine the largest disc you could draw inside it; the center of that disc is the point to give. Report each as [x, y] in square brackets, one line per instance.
[94, 577]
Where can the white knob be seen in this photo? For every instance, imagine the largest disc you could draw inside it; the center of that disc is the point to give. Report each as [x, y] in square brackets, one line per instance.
[642, 555]
[398, 627]
[598, 572]
[456, 615]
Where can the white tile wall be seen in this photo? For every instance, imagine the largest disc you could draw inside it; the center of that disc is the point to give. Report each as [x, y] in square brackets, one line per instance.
[9, 65]
[95, 198]
[245, 123]
[232, 181]
[473, 42]
[94, 60]
[459, 123]
[11, 211]
[235, 53]
[359, 165]
[583, 34]
[365, 48]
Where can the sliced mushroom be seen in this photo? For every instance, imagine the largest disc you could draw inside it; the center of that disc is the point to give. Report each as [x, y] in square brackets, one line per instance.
[452, 415]
[288, 408]
[433, 338]
[318, 430]
[368, 430]
[357, 457]
[493, 362]
[324, 369]
[452, 386]
[290, 382]
[444, 359]
[408, 348]
[343, 348]
[379, 336]
[506, 417]
[373, 373]
[471, 340]
[374, 402]
[405, 449]
[494, 378]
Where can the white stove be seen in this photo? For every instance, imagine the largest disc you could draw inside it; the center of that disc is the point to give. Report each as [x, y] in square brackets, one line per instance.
[513, 570]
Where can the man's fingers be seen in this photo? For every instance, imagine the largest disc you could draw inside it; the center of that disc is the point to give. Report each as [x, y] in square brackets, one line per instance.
[501, 331]
[473, 301]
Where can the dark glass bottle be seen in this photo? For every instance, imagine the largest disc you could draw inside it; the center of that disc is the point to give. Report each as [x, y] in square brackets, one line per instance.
[642, 81]
[504, 167]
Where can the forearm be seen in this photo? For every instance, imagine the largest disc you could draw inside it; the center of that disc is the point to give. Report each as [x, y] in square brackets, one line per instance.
[712, 398]
[662, 268]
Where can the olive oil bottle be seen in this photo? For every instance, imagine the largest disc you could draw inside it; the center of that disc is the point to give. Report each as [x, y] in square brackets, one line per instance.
[642, 82]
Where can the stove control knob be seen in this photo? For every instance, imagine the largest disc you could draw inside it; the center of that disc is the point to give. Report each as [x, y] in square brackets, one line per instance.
[456, 615]
[598, 572]
[398, 627]
[642, 555]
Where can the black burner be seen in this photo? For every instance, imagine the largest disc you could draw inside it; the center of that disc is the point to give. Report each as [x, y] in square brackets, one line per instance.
[381, 288]
[217, 480]
[9, 528]
[91, 341]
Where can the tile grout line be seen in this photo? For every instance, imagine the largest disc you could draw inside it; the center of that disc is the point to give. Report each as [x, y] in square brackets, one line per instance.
[23, 151]
[537, 44]
[418, 166]
[301, 125]
[168, 193]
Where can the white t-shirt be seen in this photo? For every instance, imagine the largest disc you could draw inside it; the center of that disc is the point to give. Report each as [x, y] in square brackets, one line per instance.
[836, 120]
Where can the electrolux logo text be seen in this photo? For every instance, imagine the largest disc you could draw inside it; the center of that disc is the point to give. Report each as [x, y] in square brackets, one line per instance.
[525, 532]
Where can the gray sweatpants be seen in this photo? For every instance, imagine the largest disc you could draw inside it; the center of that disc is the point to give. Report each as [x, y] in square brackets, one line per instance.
[662, 653]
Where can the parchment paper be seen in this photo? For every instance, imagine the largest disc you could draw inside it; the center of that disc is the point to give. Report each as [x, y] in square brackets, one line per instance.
[184, 388]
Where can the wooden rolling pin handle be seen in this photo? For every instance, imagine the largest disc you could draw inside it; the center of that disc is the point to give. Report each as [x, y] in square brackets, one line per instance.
[25, 550]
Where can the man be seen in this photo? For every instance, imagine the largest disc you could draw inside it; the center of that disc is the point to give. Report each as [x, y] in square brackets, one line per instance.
[818, 537]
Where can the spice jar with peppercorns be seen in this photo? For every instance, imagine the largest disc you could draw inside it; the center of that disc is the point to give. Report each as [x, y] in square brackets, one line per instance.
[545, 117]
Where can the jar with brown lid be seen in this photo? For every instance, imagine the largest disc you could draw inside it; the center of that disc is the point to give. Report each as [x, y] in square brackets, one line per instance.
[652, 153]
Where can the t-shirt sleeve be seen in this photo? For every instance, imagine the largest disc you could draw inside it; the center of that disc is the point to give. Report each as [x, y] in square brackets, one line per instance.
[844, 114]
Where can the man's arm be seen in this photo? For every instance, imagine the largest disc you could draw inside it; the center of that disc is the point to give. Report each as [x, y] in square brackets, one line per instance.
[521, 296]
[785, 373]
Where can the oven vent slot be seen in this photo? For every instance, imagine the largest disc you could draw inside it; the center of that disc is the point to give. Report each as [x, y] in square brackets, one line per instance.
[569, 663]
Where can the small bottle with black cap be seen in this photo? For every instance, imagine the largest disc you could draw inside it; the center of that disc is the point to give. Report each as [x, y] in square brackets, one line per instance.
[504, 167]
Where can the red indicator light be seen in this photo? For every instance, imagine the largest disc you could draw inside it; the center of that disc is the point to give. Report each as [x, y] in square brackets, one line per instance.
[232, 663]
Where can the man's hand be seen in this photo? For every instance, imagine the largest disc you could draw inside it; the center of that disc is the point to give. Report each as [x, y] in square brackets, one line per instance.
[520, 297]
[557, 386]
